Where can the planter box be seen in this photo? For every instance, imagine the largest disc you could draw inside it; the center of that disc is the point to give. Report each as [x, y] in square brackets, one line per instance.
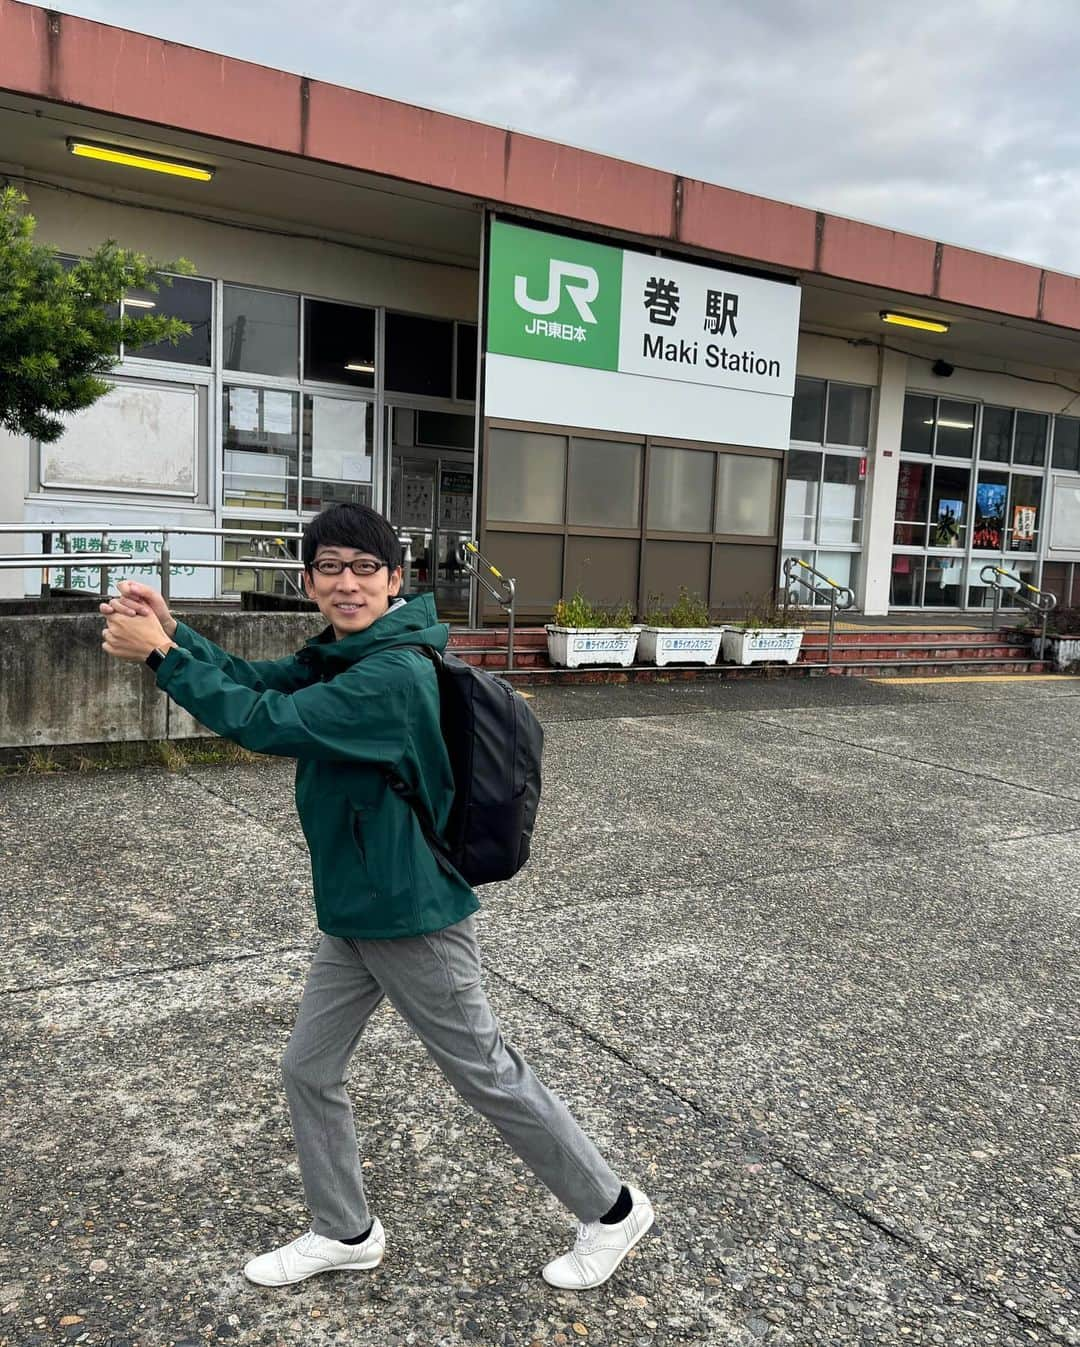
[765, 643]
[679, 645]
[1062, 651]
[571, 647]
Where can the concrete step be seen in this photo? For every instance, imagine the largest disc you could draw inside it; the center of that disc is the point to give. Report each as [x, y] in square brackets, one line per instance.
[937, 651]
[928, 638]
[931, 668]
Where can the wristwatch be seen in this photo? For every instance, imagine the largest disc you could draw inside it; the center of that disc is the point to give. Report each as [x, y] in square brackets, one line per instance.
[155, 659]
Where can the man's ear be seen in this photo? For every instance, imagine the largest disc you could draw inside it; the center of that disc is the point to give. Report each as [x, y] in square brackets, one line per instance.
[395, 582]
[309, 588]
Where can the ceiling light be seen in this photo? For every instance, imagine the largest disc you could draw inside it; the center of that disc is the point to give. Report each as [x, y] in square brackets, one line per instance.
[911, 320]
[361, 367]
[155, 163]
[130, 303]
[952, 425]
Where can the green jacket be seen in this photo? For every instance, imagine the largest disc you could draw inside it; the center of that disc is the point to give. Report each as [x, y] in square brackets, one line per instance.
[350, 712]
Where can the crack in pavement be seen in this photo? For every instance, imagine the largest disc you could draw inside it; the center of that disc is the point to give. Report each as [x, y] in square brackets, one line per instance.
[762, 1145]
[922, 762]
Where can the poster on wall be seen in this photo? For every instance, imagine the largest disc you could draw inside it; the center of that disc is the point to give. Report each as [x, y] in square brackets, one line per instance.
[339, 449]
[185, 582]
[582, 333]
[1023, 529]
[990, 515]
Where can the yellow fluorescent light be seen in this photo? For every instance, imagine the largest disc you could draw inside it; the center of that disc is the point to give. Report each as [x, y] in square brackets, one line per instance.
[114, 154]
[909, 320]
[360, 368]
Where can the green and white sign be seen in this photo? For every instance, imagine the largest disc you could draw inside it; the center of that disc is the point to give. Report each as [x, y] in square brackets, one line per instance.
[554, 298]
[624, 320]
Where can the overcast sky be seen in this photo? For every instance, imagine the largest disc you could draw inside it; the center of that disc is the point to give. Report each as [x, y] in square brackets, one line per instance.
[956, 119]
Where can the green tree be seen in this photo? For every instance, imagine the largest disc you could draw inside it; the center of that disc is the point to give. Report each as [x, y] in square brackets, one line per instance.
[61, 327]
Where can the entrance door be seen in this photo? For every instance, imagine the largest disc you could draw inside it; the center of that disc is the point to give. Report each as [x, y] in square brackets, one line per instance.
[431, 491]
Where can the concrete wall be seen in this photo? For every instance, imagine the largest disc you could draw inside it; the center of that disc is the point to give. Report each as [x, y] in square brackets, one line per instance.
[57, 686]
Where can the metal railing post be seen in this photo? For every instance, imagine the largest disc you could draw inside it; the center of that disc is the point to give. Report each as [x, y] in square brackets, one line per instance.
[103, 573]
[832, 628]
[165, 564]
[511, 585]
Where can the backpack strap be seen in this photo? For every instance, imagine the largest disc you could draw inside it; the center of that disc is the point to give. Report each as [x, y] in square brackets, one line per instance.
[398, 786]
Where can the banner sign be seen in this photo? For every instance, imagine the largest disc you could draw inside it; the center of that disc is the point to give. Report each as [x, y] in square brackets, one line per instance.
[561, 301]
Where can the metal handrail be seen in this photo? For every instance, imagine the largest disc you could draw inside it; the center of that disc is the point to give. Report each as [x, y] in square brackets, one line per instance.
[1044, 602]
[476, 563]
[69, 560]
[835, 594]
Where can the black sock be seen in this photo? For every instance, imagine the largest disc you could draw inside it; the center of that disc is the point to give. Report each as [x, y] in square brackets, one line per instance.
[357, 1239]
[621, 1210]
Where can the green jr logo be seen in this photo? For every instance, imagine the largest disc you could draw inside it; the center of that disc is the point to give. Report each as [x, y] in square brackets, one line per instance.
[582, 287]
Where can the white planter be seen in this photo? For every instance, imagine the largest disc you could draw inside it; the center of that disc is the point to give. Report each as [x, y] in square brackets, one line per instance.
[762, 644]
[679, 645]
[1063, 651]
[572, 647]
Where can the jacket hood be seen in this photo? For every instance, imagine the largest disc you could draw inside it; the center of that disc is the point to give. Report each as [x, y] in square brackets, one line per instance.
[413, 623]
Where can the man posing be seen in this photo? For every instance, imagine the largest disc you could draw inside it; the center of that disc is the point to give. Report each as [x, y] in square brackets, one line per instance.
[353, 706]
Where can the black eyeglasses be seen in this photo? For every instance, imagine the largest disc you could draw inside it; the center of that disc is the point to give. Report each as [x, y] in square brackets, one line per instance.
[362, 566]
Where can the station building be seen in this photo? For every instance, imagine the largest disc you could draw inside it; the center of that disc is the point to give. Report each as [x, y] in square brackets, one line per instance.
[614, 377]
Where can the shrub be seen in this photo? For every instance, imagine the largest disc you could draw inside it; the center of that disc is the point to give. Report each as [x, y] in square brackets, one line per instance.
[688, 610]
[577, 611]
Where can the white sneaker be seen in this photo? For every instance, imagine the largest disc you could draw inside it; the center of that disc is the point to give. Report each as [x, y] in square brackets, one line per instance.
[311, 1254]
[599, 1249]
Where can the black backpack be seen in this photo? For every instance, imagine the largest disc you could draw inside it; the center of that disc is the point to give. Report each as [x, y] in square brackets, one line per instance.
[494, 742]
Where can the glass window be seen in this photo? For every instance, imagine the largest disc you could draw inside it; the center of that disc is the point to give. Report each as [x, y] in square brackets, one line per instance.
[849, 415]
[955, 429]
[837, 566]
[186, 298]
[681, 490]
[1023, 520]
[1067, 443]
[949, 506]
[419, 355]
[995, 445]
[445, 430]
[339, 343]
[745, 498]
[276, 547]
[605, 484]
[917, 435]
[991, 498]
[337, 451]
[906, 586]
[912, 502]
[1030, 446]
[260, 437]
[260, 331]
[526, 476]
[801, 496]
[465, 389]
[808, 410]
[841, 500]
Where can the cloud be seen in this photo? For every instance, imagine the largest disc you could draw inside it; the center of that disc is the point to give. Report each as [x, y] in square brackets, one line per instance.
[954, 120]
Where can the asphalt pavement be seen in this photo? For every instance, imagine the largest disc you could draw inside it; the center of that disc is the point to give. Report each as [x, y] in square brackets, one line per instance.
[802, 956]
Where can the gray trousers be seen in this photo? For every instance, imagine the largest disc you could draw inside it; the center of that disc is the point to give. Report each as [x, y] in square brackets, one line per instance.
[433, 981]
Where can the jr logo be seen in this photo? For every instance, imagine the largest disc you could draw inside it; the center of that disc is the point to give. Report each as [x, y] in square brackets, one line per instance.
[582, 286]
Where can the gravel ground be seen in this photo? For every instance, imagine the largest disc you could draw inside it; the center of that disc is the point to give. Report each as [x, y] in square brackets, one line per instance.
[801, 956]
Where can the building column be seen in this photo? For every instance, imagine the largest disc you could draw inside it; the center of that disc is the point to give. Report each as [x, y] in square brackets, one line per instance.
[882, 479]
[14, 453]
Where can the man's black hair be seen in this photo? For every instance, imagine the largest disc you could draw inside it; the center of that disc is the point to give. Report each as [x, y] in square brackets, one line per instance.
[356, 526]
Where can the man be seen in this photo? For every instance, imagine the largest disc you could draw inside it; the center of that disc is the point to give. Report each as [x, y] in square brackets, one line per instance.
[354, 705]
